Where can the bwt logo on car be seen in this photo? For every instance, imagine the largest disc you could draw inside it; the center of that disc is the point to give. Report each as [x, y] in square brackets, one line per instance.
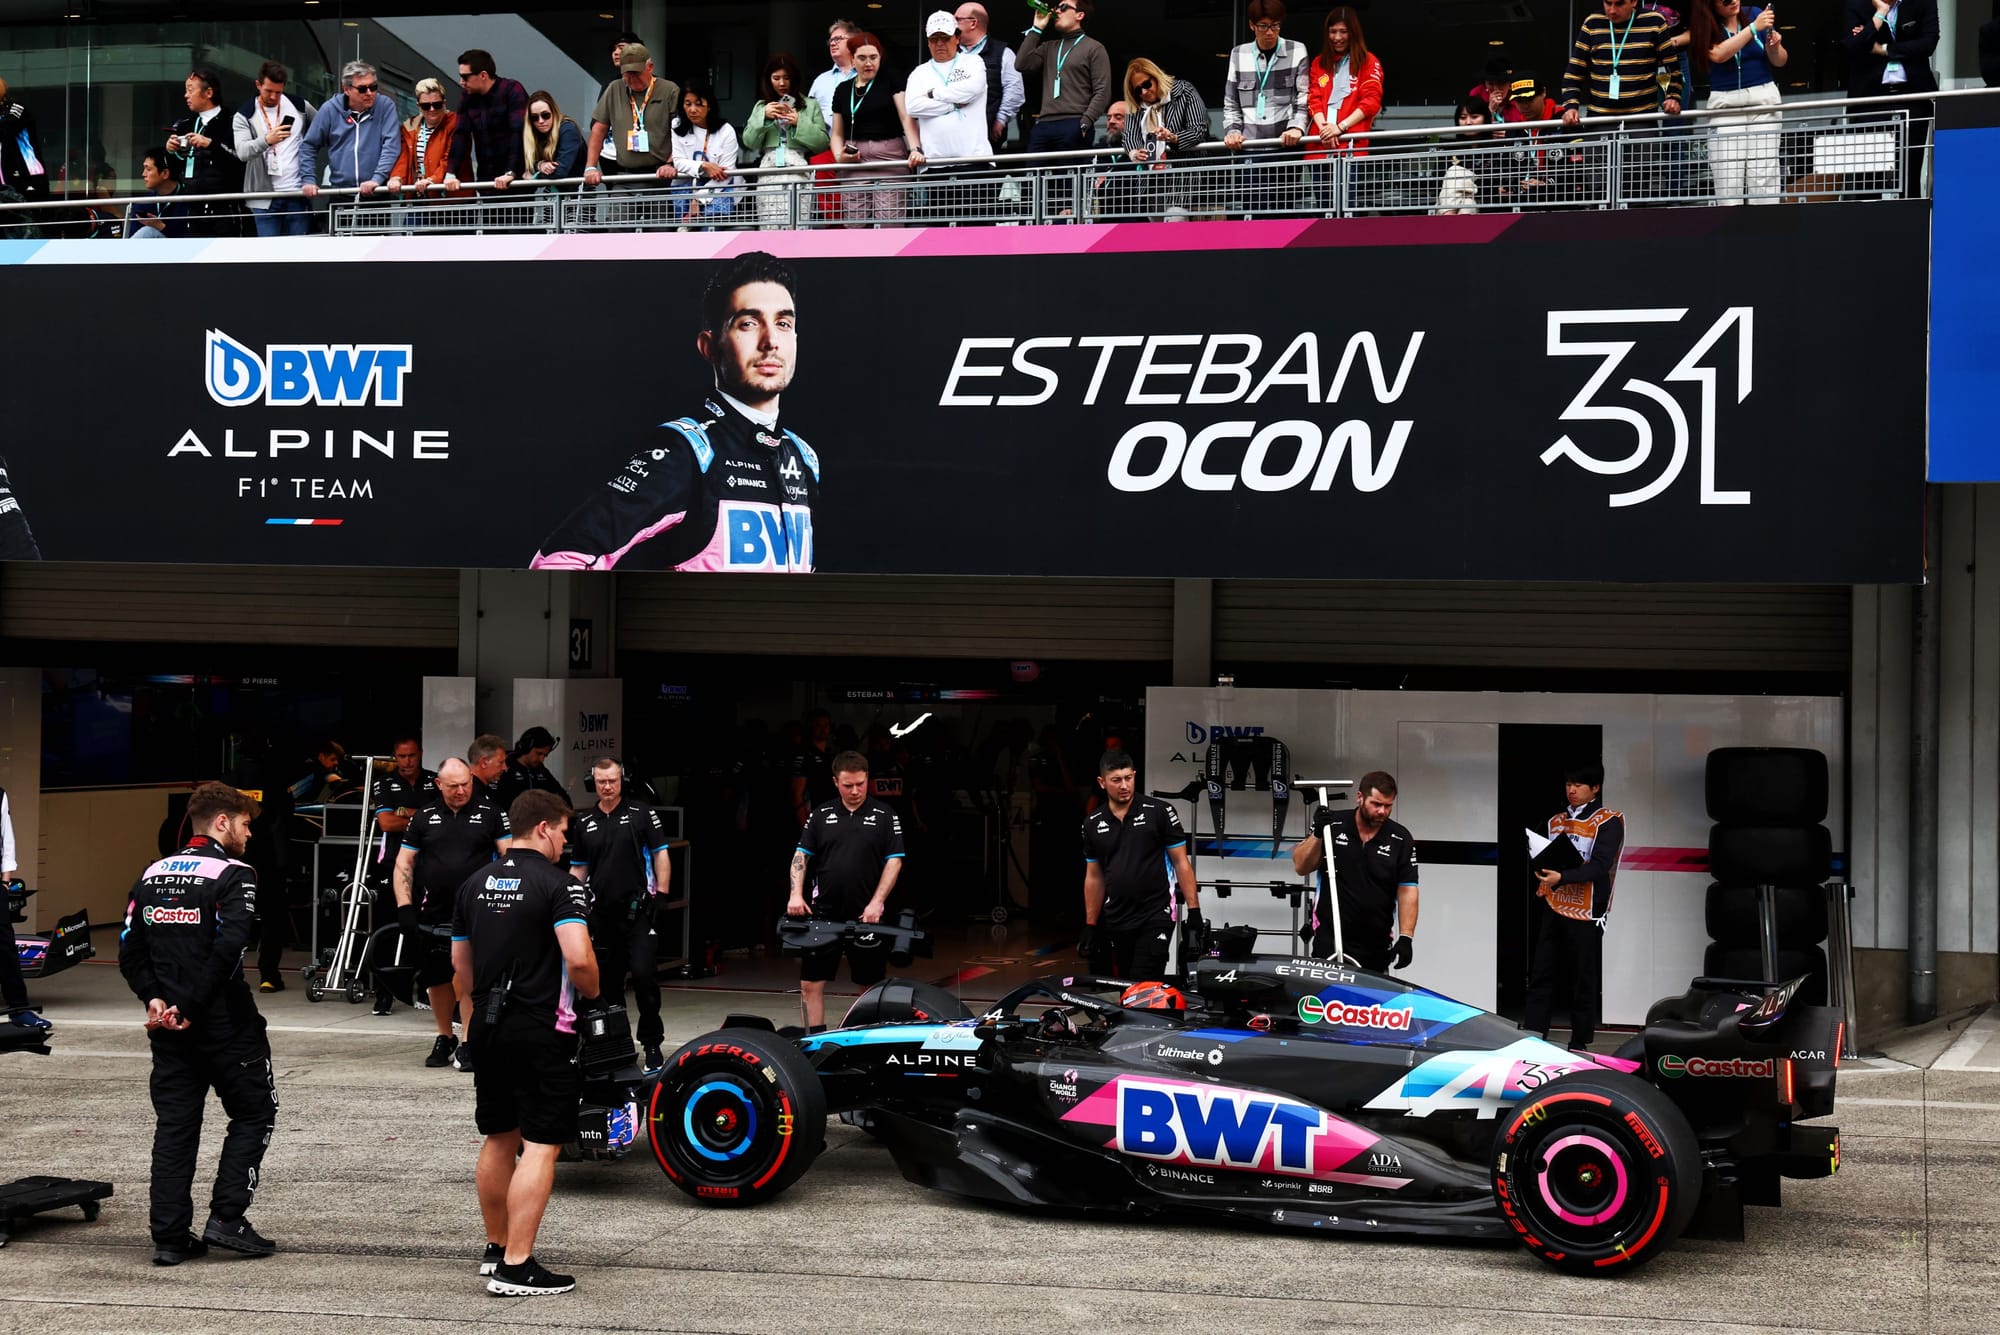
[289, 375]
[1728, 1068]
[1314, 1011]
[1229, 1128]
[1198, 733]
[158, 916]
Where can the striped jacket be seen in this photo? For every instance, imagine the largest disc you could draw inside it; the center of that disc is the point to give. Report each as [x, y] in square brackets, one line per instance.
[1184, 113]
[1644, 60]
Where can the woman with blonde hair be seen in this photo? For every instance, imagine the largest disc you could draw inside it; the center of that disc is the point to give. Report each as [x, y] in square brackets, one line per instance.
[427, 140]
[551, 144]
[1165, 117]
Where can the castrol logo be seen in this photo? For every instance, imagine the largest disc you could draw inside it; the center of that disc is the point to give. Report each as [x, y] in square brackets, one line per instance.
[1312, 1010]
[1727, 1068]
[166, 917]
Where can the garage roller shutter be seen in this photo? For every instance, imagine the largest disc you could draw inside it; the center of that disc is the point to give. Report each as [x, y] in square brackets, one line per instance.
[1125, 620]
[309, 605]
[1691, 627]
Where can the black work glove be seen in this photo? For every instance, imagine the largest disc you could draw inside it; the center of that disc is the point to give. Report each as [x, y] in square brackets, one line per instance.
[1194, 937]
[406, 918]
[1321, 817]
[1402, 953]
[1086, 945]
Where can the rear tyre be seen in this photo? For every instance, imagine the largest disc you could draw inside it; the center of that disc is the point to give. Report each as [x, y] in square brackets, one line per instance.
[737, 1117]
[1766, 785]
[1598, 1173]
[905, 1001]
[1770, 854]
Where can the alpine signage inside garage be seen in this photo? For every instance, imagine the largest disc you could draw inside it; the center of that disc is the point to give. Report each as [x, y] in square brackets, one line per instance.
[1584, 396]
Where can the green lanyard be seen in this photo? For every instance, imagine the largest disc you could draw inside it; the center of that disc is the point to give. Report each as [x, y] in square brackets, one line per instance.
[1618, 47]
[1265, 78]
[1755, 40]
[854, 103]
[1062, 57]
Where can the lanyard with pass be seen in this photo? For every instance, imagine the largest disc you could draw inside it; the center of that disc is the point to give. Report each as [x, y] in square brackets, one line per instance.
[854, 103]
[638, 141]
[1893, 72]
[943, 73]
[1618, 51]
[1263, 113]
[1062, 58]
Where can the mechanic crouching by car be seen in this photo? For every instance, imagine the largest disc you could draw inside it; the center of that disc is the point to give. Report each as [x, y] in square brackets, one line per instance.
[190, 918]
[1135, 855]
[619, 849]
[1373, 880]
[520, 948]
[856, 847]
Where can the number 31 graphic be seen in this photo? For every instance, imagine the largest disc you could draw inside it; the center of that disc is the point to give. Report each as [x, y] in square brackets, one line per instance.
[1691, 369]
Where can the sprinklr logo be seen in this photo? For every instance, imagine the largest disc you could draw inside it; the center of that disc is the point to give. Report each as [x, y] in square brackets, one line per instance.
[328, 375]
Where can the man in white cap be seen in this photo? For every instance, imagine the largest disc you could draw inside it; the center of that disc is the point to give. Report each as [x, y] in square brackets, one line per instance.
[946, 97]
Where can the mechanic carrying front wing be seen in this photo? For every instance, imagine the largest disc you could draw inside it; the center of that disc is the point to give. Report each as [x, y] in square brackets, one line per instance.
[190, 918]
[1135, 854]
[856, 845]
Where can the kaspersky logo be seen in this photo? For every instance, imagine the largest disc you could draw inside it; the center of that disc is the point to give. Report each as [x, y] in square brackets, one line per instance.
[1728, 1068]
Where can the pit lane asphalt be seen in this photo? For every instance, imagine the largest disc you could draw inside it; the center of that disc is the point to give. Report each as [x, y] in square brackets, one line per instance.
[368, 1189]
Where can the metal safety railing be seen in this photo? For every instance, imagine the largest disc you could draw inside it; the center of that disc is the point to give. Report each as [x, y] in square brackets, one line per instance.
[1805, 151]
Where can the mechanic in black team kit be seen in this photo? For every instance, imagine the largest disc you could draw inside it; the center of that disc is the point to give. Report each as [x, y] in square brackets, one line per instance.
[1374, 880]
[1135, 853]
[189, 920]
[726, 488]
[400, 794]
[619, 849]
[444, 843]
[855, 845]
[520, 948]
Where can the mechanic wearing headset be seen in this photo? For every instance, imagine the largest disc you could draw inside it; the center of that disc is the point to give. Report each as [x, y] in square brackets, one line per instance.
[856, 845]
[1374, 879]
[1135, 854]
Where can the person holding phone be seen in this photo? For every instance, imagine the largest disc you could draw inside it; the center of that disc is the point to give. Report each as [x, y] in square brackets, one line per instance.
[1744, 47]
[266, 136]
[786, 131]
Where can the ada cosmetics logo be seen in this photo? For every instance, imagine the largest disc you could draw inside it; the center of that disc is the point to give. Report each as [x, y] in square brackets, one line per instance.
[295, 375]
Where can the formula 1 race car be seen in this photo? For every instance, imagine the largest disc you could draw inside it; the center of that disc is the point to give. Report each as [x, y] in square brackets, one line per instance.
[1288, 1091]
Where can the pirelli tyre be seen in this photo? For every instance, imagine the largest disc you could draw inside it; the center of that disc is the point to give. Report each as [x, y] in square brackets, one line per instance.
[1598, 1173]
[1732, 917]
[904, 1001]
[737, 1117]
[1770, 854]
[1766, 785]
[1748, 962]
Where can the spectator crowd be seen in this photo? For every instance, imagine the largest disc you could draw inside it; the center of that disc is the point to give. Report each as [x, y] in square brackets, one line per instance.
[979, 94]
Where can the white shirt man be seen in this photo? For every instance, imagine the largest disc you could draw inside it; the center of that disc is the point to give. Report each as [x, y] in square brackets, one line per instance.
[843, 69]
[946, 95]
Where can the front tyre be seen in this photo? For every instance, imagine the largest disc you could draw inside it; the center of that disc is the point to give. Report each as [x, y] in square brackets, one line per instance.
[1597, 1173]
[737, 1117]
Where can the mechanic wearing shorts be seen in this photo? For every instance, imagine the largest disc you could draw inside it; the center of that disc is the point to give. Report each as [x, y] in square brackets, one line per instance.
[1374, 881]
[442, 845]
[856, 847]
[520, 949]
[1135, 852]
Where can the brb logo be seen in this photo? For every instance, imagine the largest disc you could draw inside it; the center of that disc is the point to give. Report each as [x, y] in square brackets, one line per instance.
[1230, 1128]
[1197, 733]
[1695, 368]
[764, 537]
[292, 375]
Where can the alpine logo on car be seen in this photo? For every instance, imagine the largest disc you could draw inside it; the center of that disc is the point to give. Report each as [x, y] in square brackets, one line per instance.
[157, 915]
[1674, 1066]
[1313, 1010]
[955, 1061]
[1479, 1082]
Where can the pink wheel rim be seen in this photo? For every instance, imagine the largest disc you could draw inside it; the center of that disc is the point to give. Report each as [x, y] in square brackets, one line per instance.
[1612, 1159]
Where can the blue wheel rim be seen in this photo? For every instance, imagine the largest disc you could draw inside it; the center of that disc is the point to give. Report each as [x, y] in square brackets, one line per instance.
[745, 1133]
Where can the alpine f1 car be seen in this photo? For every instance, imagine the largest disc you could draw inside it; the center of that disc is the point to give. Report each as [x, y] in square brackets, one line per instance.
[1288, 1091]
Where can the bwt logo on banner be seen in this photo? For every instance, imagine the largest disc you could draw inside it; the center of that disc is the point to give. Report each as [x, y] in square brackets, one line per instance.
[1198, 734]
[291, 375]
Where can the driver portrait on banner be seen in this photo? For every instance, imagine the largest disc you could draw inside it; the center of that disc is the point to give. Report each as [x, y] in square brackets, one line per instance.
[726, 488]
[17, 540]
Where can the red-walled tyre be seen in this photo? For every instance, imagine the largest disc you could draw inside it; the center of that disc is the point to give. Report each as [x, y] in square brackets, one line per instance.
[1598, 1173]
[737, 1117]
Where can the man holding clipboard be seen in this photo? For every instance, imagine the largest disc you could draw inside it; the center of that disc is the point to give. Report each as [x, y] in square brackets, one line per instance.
[1574, 871]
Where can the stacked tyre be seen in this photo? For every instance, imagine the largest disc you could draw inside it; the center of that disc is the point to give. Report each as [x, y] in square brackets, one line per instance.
[1769, 805]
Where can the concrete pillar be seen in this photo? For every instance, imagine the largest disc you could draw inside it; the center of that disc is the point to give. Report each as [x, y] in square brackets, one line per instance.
[1878, 799]
[1194, 632]
[1968, 862]
[535, 624]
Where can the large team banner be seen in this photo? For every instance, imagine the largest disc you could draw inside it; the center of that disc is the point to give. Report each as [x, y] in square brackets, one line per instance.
[1687, 395]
